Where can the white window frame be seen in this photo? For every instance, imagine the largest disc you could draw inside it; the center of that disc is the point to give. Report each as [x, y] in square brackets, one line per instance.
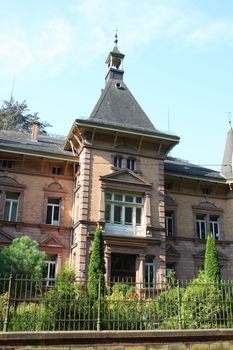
[53, 206]
[149, 267]
[199, 223]
[131, 164]
[11, 202]
[125, 204]
[214, 227]
[51, 280]
[118, 162]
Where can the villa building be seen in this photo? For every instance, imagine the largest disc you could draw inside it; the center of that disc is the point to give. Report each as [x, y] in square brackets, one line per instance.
[113, 169]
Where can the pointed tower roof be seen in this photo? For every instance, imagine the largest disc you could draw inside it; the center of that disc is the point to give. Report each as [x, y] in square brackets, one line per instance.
[116, 105]
[226, 169]
[117, 111]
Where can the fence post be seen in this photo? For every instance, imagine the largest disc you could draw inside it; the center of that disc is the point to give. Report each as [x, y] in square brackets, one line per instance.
[99, 306]
[6, 321]
[179, 305]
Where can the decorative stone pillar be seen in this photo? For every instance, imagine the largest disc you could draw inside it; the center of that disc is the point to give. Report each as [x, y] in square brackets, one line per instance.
[58, 265]
[147, 209]
[140, 269]
[102, 205]
[107, 258]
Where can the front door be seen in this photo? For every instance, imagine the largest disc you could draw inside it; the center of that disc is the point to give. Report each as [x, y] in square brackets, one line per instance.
[123, 268]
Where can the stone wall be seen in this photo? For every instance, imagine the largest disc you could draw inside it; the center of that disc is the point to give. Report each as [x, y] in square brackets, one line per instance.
[215, 339]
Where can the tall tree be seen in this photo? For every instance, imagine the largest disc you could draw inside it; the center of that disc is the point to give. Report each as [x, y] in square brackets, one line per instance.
[15, 115]
[212, 265]
[22, 257]
[96, 269]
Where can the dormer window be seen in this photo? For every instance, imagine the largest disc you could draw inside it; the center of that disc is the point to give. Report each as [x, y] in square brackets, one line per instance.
[131, 164]
[118, 162]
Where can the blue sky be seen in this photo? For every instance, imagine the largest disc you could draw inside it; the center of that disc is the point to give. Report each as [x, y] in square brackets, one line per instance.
[178, 62]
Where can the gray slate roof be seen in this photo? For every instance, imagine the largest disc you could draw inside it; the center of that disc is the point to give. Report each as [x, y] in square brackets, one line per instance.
[46, 145]
[182, 167]
[117, 107]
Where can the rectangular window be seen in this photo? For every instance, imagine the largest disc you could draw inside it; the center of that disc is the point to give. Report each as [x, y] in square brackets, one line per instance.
[57, 171]
[118, 162]
[201, 226]
[117, 214]
[124, 209]
[170, 267]
[53, 211]
[128, 215]
[131, 164]
[7, 163]
[149, 273]
[107, 212]
[51, 271]
[214, 227]
[169, 223]
[11, 206]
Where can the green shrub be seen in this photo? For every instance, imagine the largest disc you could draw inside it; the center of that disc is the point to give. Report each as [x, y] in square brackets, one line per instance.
[28, 317]
[3, 304]
[66, 304]
[96, 269]
[127, 309]
[212, 266]
[168, 308]
[201, 303]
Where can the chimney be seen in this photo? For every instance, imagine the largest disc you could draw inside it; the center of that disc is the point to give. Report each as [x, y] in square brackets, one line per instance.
[35, 131]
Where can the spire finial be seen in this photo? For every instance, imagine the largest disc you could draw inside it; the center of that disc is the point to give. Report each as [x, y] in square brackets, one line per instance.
[116, 37]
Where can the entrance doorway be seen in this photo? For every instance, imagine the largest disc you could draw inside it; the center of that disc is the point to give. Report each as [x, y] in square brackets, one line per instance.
[123, 268]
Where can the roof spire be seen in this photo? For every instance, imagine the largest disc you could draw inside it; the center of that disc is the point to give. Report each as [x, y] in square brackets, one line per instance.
[115, 57]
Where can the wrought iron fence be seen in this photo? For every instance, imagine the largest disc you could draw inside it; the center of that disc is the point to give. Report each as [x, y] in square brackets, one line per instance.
[31, 305]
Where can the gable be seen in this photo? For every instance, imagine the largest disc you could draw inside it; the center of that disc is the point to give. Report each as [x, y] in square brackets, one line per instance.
[5, 237]
[125, 176]
[171, 251]
[201, 255]
[51, 241]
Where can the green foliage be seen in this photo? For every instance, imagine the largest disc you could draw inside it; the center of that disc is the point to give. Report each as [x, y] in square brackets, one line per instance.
[3, 303]
[212, 266]
[168, 306]
[127, 308]
[96, 269]
[22, 257]
[28, 317]
[66, 304]
[15, 115]
[171, 278]
[201, 303]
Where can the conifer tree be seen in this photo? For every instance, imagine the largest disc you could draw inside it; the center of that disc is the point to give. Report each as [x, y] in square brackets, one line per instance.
[212, 265]
[96, 269]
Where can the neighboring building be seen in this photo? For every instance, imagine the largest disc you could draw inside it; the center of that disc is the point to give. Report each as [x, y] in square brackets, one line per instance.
[113, 168]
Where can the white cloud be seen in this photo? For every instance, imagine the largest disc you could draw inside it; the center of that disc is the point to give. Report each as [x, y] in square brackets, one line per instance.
[56, 38]
[85, 29]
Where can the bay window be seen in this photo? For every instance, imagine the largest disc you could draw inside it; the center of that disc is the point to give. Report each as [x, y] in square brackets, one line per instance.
[124, 209]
